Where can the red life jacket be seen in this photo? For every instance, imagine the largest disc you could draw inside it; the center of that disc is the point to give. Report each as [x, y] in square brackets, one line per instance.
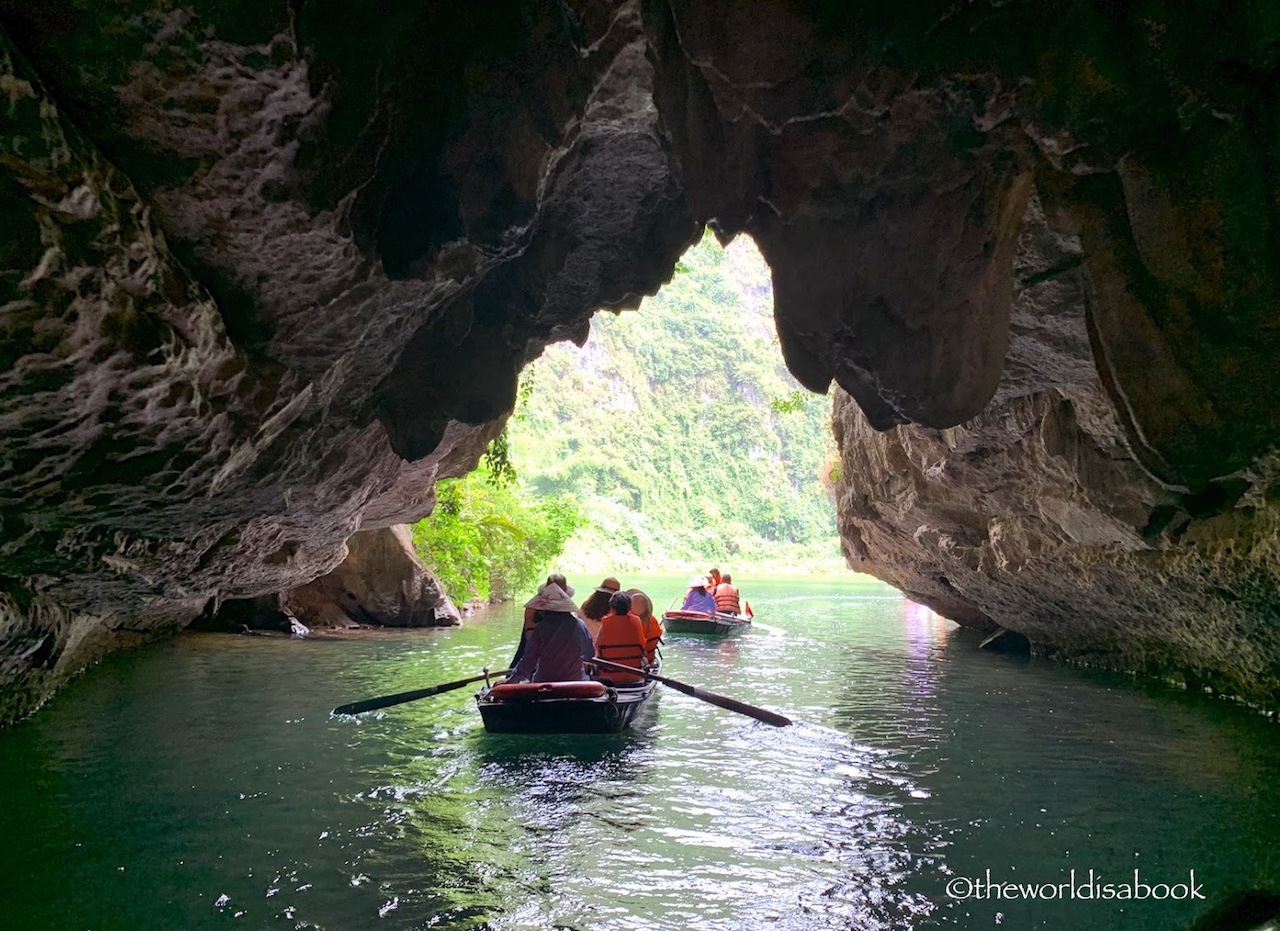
[621, 640]
[727, 599]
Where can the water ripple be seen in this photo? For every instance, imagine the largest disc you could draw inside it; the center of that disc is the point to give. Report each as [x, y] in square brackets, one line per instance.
[143, 793]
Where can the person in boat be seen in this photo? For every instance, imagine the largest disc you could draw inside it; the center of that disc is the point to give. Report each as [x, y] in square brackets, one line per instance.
[698, 598]
[597, 604]
[531, 614]
[559, 642]
[621, 640]
[728, 598]
[713, 579]
[642, 607]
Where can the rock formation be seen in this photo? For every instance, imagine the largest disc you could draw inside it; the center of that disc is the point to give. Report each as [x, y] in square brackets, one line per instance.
[1037, 515]
[381, 581]
[1052, 257]
[272, 271]
[268, 270]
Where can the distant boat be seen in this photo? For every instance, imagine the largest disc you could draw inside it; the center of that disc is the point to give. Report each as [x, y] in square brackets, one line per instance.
[719, 624]
[561, 707]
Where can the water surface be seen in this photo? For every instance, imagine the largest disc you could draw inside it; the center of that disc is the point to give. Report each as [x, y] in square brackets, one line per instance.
[202, 783]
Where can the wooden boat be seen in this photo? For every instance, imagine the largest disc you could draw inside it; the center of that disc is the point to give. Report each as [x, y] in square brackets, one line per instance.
[561, 707]
[699, 622]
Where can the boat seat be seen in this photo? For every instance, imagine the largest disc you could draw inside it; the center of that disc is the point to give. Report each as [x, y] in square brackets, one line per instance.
[533, 691]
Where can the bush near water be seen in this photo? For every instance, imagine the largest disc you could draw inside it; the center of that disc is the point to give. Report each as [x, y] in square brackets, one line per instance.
[674, 439]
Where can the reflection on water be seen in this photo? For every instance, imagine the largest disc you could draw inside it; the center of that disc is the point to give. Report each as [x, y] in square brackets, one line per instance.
[203, 784]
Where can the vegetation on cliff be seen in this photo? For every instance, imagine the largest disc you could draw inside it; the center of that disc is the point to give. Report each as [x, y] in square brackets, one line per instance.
[674, 437]
[680, 432]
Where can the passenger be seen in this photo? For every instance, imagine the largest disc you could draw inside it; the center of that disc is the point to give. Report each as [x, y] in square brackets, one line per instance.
[698, 598]
[597, 605]
[713, 579]
[621, 640]
[559, 642]
[728, 598]
[642, 607]
[530, 614]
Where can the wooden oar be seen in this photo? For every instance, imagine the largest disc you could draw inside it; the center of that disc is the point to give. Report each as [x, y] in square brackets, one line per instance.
[386, 701]
[723, 701]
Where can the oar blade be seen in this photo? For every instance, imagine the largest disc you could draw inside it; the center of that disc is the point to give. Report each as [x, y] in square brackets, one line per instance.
[722, 701]
[732, 704]
[386, 701]
[383, 701]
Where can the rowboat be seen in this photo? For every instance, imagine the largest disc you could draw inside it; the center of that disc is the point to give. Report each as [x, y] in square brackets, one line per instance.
[699, 622]
[561, 707]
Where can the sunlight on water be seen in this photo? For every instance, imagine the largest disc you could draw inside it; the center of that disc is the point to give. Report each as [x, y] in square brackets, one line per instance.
[204, 784]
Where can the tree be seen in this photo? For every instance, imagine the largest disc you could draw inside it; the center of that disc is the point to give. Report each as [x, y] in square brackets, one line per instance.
[486, 541]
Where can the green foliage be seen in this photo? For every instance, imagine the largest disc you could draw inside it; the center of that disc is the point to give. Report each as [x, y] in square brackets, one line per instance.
[793, 402]
[487, 541]
[679, 428]
[496, 461]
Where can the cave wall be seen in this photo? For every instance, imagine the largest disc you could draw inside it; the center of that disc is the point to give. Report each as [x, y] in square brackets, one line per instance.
[1038, 516]
[883, 155]
[274, 272]
[381, 582]
[1041, 272]
[272, 268]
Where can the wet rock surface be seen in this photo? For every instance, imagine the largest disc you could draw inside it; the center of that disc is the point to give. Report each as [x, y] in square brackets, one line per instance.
[269, 270]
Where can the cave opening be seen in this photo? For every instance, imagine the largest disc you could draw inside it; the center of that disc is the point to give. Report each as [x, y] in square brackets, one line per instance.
[694, 443]
[675, 435]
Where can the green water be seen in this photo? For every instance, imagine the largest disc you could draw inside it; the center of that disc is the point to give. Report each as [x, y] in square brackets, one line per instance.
[203, 784]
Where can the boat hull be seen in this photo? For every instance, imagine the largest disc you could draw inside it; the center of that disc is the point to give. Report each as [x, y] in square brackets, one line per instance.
[609, 713]
[709, 625]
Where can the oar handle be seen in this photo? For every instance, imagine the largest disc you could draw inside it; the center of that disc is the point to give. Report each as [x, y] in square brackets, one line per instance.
[722, 701]
[399, 698]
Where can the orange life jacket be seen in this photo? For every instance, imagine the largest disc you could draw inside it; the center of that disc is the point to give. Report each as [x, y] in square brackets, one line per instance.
[652, 634]
[621, 640]
[727, 599]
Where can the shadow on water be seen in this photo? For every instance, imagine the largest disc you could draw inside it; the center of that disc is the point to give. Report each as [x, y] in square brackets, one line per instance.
[563, 761]
[460, 828]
